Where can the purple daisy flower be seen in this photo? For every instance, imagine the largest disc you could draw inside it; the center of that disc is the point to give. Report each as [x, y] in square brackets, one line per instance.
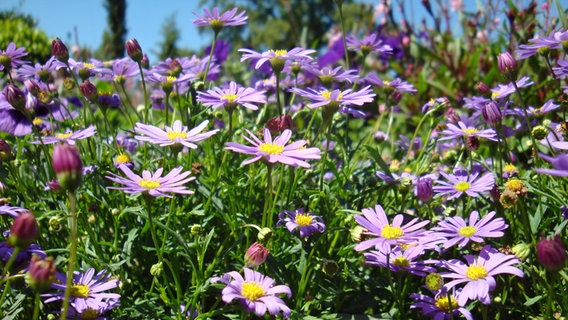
[324, 97]
[152, 184]
[276, 58]
[10, 58]
[177, 135]
[12, 211]
[396, 84]
[307, 222]
[547, 107]
[461, 183]
[68, 136]
[561, 70]
[456, 230]
[93, 311]
[218, 21]
[88, 290]
[554, 40]
[231, 96]
[440, 307]
[22, 260]
[560, 163]
[504, 90]
[40, 71]
[328, 75]
[256, 292]
[169, 83]
[369, 43]
[401, 260]
[462, 130]
[479, 272]
[272, 151]
[121, 69]
[386, 235]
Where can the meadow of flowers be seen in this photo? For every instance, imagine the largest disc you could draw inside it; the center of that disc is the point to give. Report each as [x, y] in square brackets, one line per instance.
[394, 174]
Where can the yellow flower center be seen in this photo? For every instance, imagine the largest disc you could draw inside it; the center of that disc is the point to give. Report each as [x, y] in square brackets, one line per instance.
[469, 131]
[173, 135]
[80, 291]
[462, 186]
[514, 185]
[88, 65]
[401, 262]
[63, 135]
[475, 272]
[271, 148]
[495, 94]
[510, 168]
[445, 304]
[170, 79]
[252, 290]
[216, 23]
[37, 122]
[467, 231]
[122, 158]
[149, 184]
[89, 314]
[390, 232]
[303, 219]
[387, 83]
[279, 52]
[327, 95]
[230, 97]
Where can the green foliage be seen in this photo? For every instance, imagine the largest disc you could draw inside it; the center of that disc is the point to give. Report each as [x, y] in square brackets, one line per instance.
[171, 34]
[21, 29]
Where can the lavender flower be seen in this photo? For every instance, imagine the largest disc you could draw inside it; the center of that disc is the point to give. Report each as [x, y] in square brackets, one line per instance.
[461, 183]
[307, 223]
[10, 58]
[232, 96]
[401, 260]
[462, 130]
[440, 307]
[560, 164]
[152, 184]
[386, 235]
[335, 98]
[458, 231]
[396, 84]
[479, 272]
[177, 135]
[369, 43]
[218, 21]
[504, 90]
[542, 44]
[68, 136]
[272, 151]
[328, 75]
[256, 292]
[276, 58]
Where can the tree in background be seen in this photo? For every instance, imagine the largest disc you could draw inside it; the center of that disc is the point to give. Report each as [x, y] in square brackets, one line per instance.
[115, 35]
[170, 33]
[22, 30]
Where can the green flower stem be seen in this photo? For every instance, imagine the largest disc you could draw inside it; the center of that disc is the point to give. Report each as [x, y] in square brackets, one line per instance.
[4, 293]
[10, 262]
[127, 98]
[267, 212]
[72, 254]
[37, 301]
[167, 107]
[149, 201]
[340, 7]
[449, 297]
[146, 104]
[325, 152]
[210, 56]
[279, 105]
[529, 126]
[415, 135]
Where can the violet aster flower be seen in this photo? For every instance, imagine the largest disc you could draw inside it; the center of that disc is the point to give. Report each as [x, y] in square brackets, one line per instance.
[217, 21]
[504, 90]
[121, 69]
[554, 40]
[461, 183]
[177, 135]
[12, 211]
[88, 290]
[440, 307]
[369, 43]
[276, 58]
[256, 292]
[324, 97]
[272, 151]
[561, 70]
[560, 164]
[328, 75]
[401, 260]
[462, 130]
[152, 184]
[69, 136]
[396, 84]
[456, 230]
[547, 107]
[22, 260]
[10, 58]
[92, 312]
[306, 222]
[479, 272]
[40, 71]
[386, 235]
[231, 96]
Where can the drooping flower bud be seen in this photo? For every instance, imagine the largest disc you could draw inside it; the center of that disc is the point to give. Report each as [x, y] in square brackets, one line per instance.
[59, 50]
[256, 255]
[551, 253]
[67, 166]
[492, 113]
[424, 189]
[134, 50]
[41, 273]
[15, 97]
[32, 86]
[24, 231]
[507, 65]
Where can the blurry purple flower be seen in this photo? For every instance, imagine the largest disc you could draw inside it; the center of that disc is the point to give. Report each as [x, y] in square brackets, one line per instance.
[328, 75]
[542, 44]
[461, 183]
[221, 52]
[324, 97]
[369, 43]
[536, 112]
[152, 184]
[333, 54]
[10, 58]
[396, 84]
[217, 21]
[306, 222]
[276, 58]
[256, 292]
[22, 260]
[504, 90]
[272, 151]
[68, 136]
[551, 253]
[561, 70]
[456, 230]
[560, 164]
[121, 69]
[12, 211]
[462, 130]
[40, 71]
[401, 260]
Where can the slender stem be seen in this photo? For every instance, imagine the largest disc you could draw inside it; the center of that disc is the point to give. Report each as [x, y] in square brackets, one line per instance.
[325, 152]
[278, 103]
[72, 253]
[36, 305]
[340, 6]
[210, 57]
[167, 107]
[146, 105]
[529, 126]
[267, 213]
[152, 230]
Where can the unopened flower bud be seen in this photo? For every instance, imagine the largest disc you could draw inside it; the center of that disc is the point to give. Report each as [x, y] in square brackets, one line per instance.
[452, 116]
[59, 50]
[551, 253]
[32, 86]
[507, 65]
[41, 273]
[279, 124]
[492, 113]
[483, 89]
[15, 97]
[472, 143]
[5, 151]
[424, 190]
[264, 234]
[134, 50]
[521, 250]
[256, 255]
[157, 269]
[89, 90]
[24, 231]
[67, 166]
[196, 229]
[145, 63]
[396, 96]
[356, 233]
[434, 281]
[539, 132]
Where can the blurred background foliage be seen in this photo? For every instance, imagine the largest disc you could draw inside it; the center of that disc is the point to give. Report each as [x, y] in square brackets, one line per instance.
[22, 29]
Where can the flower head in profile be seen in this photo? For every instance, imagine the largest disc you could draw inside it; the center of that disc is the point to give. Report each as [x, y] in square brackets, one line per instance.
[87, 290]
[560, 164]
[463, 130]
[256, 292]
[369, 43]
[385, 235]
[152, 183]
[462, 182]
[456, 230]
[232, 96]
[398, 260]
[394, 85]
[69, 136]
[177, 135]
[10, 57]
[277, 150]
[479, 273]
[306, 222]
[324, 97]
[441, 306]
[276, 58]
[217, 21]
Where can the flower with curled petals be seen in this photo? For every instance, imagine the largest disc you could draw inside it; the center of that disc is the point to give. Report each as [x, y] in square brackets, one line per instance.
[152, 184]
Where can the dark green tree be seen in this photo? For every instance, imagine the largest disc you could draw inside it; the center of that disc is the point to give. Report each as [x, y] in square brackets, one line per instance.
[115, 34]
[170, 34]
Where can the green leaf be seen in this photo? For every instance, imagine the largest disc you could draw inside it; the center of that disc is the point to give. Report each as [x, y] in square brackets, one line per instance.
[532, 301]
[561, 14]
